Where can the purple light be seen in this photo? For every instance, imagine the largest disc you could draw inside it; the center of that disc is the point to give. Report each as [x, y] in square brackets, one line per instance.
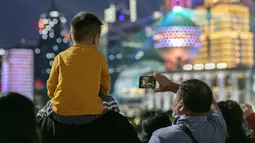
[17, 72]
[121, 18]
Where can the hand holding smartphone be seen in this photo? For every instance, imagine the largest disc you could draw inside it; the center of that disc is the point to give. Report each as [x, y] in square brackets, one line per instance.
[147, 82]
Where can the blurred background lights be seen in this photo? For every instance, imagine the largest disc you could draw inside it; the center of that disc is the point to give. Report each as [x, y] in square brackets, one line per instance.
[210, 66]
[63, 20]
[54, 13]
[198, 66]
[222, 65]
[119, 56]
[187, 67]
[111, 57]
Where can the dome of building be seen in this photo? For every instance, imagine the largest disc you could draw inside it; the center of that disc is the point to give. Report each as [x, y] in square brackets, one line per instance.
[177, 39]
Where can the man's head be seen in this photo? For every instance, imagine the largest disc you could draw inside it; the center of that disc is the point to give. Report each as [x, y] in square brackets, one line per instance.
[193, 97]
[86, 28]
[151, 121]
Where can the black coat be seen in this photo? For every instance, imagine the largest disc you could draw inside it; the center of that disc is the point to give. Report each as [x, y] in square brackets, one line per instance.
[111, 127]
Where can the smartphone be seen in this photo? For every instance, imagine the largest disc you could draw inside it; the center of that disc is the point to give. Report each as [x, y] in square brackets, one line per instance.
[147, 82]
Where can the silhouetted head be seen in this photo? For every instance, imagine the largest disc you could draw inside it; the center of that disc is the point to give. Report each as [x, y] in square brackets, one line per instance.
[194, 97]
[17, 121]
[86, 28]
[234, 118]
[151, 121]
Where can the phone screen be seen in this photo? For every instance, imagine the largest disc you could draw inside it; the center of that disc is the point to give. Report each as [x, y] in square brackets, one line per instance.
[147, 82]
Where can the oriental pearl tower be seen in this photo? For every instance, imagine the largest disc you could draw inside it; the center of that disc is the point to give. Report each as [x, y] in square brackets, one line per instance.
[177, 39]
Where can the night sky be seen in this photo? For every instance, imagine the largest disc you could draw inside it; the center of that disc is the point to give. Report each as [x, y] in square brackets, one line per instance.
[19, 18]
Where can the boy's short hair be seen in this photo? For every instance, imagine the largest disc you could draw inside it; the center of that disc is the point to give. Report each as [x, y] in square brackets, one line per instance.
[85, 25]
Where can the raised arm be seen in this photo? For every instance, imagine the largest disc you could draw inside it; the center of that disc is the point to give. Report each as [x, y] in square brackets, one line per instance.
[53, 78]
[165, 84]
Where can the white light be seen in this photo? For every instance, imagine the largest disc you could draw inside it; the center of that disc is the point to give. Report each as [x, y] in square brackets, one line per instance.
[48, 71]
[2, 52]
[50, 55]
[44, 31]
[54, 13]
[198, 66]
[137, 57]
[44, 37]
[140, 53]
[210, 66]
[51, 24]
[157, 15]
[111, 57]
[187, 67]
[55, 47]
[51, 35]
[58, 40]
[177, 42]
[45, 21]
[133, 12]
[37, 51]
[119, 56]
[55, 21]
[177, 9]
[222, 65]
[65, 40]
[110, 14]
[63, 20]
[48, 28]
[40, 31]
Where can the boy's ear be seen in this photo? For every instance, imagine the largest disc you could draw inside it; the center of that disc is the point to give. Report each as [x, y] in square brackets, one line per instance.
[71, 38]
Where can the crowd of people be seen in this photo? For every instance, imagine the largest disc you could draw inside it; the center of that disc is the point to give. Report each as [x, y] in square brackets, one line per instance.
[81, 111]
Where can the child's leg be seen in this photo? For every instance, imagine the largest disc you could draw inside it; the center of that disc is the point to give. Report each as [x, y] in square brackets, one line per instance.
[46, 110]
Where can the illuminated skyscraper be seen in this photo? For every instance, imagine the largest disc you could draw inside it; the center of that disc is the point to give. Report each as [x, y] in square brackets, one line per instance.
[17, 73]
[125, 11]
[53, 40]
[228, 30]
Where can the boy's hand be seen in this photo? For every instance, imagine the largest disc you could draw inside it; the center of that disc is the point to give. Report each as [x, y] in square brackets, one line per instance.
[247, 110]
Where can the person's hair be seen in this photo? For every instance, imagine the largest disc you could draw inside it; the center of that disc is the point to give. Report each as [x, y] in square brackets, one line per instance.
[150, 121]
[234, 118]
[85, 25]
[17, 121]
[196, 95]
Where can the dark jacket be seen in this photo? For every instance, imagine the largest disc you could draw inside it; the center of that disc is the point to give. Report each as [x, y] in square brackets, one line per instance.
[111, 127]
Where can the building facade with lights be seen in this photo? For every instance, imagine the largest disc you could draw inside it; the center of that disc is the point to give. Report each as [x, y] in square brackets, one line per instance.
[226, 35]
[177, 38]
[227, 84]
[53, 40]
[223, 60]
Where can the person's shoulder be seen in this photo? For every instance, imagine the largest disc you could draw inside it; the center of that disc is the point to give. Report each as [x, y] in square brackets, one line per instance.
[113, 115]
[65, 52]
[170, 133]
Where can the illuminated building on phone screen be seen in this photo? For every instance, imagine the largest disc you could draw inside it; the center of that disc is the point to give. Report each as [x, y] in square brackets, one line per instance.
[18, 72]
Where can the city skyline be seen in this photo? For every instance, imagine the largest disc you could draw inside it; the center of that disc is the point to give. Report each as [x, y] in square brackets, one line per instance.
[21, 20]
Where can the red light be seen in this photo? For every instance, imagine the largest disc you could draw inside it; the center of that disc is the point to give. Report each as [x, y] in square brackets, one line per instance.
[41, 24]
[38, 84]
[67, 36]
